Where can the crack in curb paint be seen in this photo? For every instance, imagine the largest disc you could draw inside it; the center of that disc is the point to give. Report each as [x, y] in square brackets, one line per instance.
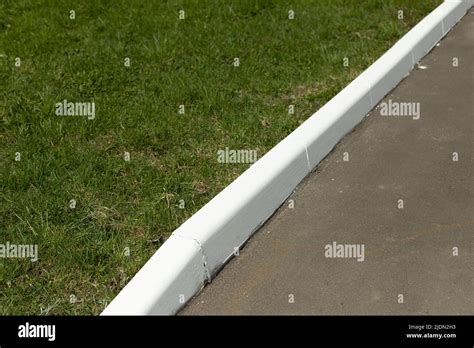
[207, 274]
[307, 158]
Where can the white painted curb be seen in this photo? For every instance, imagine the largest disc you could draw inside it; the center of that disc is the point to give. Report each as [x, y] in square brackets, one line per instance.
[204, 243]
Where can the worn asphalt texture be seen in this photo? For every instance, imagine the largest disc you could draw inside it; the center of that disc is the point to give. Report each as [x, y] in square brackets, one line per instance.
[408, 251]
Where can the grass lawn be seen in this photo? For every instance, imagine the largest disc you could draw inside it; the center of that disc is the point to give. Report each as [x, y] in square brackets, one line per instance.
[173, 170]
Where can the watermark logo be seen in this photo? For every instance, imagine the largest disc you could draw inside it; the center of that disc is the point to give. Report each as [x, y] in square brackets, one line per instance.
[346, 251]
[37, 331]
[66, 108]
[236, 156]
[392, 108]
[29, 251]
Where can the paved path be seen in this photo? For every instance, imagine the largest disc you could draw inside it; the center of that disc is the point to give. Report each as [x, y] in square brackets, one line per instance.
[407, 251]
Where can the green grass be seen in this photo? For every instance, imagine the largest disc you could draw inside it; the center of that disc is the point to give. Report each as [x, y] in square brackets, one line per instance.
[173, 156]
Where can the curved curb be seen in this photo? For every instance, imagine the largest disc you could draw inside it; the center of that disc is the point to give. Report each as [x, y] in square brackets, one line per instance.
[205, 242]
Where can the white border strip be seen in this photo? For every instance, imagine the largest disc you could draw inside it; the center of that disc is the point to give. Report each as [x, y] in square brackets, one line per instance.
[204, 243]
